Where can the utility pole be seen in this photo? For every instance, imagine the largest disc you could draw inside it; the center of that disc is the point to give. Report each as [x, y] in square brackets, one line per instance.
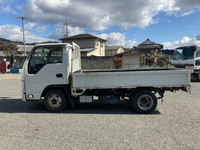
[23, 18]
[66, 34]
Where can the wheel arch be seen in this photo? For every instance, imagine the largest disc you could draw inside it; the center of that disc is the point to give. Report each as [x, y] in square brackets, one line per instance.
[147, 106]
[133, 91]
[64, 88]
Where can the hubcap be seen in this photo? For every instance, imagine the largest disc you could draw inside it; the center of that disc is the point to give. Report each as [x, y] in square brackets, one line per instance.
[54, 101]
[145, 102]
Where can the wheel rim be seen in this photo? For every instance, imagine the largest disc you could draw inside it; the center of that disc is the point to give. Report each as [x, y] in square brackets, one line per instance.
[54, 101]
[145, 102]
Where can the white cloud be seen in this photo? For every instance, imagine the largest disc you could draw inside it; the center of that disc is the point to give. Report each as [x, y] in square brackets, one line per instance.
[60, 31]
[183, 42]
[187, 13]
[187, 4]
[116, 38]
[13, 32]
[75, 30]
[30, 25]
[6, 9]
[198, 37]
[100, 15]
[41, 28]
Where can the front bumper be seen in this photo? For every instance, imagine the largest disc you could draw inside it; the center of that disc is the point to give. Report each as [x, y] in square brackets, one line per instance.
[196, 71]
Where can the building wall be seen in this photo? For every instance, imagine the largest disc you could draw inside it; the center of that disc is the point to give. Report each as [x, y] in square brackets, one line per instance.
[93, 62]
[90, 43]
[131, 61]
[99, 49]
[120, 50]
[114, 51]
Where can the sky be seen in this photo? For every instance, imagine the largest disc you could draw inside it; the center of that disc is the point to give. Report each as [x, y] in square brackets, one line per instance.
[172, 23]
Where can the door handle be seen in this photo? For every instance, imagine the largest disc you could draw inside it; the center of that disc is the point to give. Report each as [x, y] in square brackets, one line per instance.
[59, 75]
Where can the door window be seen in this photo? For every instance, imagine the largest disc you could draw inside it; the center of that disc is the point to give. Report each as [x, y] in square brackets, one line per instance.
[42, 56]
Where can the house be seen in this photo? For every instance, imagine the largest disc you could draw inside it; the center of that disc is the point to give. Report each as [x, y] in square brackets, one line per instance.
[20, 49]
[149, 47]
[151, 50]
[89, 45]
[132, 59]
[113, 50]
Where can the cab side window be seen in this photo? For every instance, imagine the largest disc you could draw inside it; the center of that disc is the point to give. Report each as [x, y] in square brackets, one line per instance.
[198, 53]
[42, 56]
[55, 57]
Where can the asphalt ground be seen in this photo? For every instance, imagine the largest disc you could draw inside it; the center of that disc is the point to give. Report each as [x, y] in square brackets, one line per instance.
[175, 125]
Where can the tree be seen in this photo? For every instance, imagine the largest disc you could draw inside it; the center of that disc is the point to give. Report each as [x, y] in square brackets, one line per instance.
[158, 59]
[7, 47]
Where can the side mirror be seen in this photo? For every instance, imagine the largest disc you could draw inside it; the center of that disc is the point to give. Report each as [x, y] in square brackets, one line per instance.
[197, 62]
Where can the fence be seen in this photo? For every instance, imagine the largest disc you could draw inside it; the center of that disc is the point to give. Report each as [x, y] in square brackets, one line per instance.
[93, 62]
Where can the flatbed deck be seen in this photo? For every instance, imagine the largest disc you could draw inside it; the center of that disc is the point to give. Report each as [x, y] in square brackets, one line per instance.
[102, 79]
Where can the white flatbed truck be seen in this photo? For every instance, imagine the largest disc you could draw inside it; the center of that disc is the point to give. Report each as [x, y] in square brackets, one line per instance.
[187, 57]
[52, 73]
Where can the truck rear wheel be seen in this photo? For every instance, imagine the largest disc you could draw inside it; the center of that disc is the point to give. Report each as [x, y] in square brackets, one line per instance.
[144, 102]
[55, 101]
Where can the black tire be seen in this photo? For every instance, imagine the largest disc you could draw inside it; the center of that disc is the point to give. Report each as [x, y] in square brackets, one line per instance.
[55, 101]
[198, 77]
[144, 102]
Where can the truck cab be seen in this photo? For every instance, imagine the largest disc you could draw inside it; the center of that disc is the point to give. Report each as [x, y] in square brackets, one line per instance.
[187, 57]
[49, 65]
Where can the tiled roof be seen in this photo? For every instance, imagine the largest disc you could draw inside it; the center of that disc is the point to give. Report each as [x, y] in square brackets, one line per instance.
[83, 36]
[20, 48]
[149, 44]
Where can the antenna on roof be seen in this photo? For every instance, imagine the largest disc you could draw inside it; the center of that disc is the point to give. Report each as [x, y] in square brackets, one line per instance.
[66, 25]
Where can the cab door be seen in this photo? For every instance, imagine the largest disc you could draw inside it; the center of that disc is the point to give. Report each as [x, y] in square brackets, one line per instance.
[45, 67]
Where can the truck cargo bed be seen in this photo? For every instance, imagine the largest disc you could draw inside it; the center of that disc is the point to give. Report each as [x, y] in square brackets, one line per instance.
[103, 79]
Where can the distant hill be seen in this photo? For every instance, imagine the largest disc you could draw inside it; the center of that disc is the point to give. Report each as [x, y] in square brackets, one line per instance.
[5, 40]
[20, 43]
[9, 41]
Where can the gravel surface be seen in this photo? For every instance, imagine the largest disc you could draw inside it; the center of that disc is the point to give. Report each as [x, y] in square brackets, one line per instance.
[27, 126]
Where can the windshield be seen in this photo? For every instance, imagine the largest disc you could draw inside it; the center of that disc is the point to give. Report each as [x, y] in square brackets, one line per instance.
[184, 53]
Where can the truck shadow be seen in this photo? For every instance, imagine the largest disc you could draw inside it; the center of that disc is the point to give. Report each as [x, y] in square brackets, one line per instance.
[194, 81]
[18, 106]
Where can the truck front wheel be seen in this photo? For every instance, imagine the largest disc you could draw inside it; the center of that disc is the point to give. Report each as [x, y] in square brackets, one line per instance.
[55, 101]
[144, 102]
[198, 77]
